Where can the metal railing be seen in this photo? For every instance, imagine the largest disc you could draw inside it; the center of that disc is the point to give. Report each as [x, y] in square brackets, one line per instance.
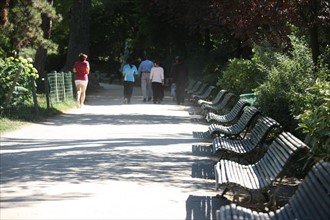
[60, 86]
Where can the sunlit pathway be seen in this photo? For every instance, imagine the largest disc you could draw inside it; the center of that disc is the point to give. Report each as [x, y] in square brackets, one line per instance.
[106, 161]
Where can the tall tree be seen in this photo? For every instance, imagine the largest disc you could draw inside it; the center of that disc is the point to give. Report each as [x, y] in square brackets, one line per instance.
[79, 40]
[41, 54]
[23, 25]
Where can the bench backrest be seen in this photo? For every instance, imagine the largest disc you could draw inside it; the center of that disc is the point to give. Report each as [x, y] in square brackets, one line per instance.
[262, 128]
[207, 92]
[233, 115]
[195, 87]
[312, 198]
[249, 113]
[219, 96]
[201, 89]
[310, 201]
[278, 155]
[228, 99]
[237, 110]
[191, 84]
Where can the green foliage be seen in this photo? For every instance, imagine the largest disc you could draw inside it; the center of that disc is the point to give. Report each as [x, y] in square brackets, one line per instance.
[24, 28]
[23, 114]
[290, 88]
[315, 120]
[287, 78]
[8, 71]
[243, 75]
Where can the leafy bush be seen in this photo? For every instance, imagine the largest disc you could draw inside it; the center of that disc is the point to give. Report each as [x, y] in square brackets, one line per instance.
[290, 88]
[242, 75]
[287, 78]
[315, 120]
[8, 71]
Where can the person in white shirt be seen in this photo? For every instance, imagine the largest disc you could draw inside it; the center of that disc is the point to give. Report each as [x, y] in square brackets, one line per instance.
[157, 81]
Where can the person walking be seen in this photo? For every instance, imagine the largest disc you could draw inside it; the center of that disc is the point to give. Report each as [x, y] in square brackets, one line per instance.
[129, 72]
[81, 69]
[144, 71]
[179, 73]
[157, 82]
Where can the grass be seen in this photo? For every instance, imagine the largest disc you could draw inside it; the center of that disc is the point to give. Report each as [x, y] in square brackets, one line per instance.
[14, 118]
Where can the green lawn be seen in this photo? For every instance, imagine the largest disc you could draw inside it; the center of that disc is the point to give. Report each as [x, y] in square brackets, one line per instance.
[14, 118]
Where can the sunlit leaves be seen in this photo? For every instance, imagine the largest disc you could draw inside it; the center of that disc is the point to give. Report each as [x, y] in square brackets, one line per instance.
[8, 70]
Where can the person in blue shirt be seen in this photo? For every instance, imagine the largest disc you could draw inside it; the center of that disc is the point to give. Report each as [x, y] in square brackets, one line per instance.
[129, 72]
[144, 71]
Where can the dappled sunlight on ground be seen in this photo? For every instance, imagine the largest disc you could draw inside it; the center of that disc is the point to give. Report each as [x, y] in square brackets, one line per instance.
[107, 161]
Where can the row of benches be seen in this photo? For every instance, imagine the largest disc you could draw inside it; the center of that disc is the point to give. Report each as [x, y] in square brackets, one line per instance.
[254, 151]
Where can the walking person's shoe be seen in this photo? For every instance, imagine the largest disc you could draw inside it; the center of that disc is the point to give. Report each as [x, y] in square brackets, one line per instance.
[125, 101]
[144, 100]
[149, 99]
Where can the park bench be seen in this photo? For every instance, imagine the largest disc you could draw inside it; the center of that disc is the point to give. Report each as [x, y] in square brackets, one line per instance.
[218, 98]
[195, 88]
[240, 127]
[221, 107]
[200, 90]
[229, 118]
[251, 145]
[310, 201]
[258, 177]
[190, 85]
[204, 95]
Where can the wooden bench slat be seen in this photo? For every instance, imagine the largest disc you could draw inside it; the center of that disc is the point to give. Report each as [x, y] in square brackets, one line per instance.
[216, 99]
[262, 173]
[310, 201]
[230, 117]
[237, 128]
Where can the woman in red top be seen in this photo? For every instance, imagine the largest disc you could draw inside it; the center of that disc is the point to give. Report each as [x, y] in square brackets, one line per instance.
[81, 70]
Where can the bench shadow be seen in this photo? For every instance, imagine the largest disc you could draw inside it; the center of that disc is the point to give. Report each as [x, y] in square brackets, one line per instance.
[203, 169]
[202, 135]
[202, 150]
[204, 207]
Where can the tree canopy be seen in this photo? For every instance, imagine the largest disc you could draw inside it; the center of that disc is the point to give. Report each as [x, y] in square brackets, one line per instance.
[223, 28]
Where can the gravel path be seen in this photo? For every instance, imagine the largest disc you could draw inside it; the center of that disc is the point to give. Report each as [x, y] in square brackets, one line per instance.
[108, 161]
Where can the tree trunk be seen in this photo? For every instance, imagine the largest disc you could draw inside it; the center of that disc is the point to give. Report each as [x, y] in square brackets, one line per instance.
[314, 34]
[4, 8]
[41, 54]
[207, 40]
[79, 37]
[314, 41]
[39, 64]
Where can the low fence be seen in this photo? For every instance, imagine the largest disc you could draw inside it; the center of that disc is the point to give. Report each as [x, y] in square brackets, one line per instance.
[60, 87]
